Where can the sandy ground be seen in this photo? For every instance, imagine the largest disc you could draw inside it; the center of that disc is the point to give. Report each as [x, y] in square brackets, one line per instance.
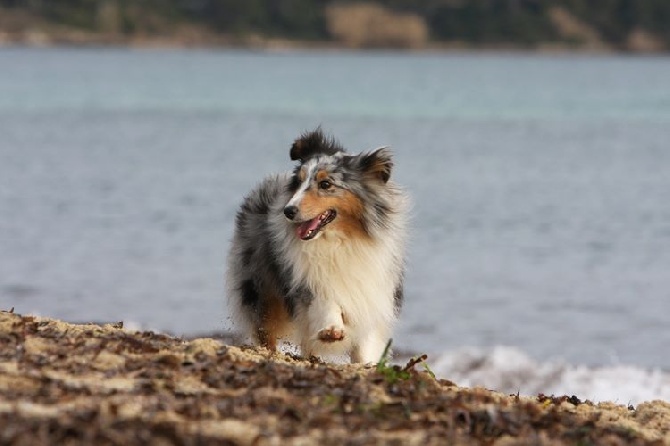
[66, 384]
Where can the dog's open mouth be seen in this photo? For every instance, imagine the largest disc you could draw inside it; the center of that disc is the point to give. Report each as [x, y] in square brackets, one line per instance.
[307, 230]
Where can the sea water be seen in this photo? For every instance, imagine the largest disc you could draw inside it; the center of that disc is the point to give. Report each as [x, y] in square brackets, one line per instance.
[539, 249]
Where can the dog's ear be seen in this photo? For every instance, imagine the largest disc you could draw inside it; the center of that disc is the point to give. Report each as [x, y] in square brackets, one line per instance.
[378, 163]
[313, 143]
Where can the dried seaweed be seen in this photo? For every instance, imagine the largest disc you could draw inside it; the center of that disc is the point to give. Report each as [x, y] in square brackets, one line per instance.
[90, 384]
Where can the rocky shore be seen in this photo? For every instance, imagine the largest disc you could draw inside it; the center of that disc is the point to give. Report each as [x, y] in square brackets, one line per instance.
[63, 383]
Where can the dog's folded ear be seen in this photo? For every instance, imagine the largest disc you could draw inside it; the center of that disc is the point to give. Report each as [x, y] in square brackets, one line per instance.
[314, 143]
[378, 163]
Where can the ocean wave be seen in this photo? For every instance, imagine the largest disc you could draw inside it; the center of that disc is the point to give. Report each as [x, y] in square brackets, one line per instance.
[510, 370]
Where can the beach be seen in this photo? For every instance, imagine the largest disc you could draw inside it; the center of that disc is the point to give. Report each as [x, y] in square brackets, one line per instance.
[64, 383]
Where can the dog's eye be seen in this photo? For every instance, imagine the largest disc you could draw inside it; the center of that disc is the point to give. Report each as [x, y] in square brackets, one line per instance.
[325, 184]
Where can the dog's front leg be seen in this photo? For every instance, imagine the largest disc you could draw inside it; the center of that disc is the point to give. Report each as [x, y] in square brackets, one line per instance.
[324, 325]
[370, 348]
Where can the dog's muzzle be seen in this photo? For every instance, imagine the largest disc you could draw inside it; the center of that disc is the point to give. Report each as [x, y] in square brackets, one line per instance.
[290, 212]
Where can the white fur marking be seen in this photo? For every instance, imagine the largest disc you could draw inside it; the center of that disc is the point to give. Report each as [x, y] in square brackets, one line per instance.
[297, 197]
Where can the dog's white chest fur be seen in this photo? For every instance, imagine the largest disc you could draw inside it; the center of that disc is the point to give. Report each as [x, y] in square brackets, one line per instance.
[353, 282]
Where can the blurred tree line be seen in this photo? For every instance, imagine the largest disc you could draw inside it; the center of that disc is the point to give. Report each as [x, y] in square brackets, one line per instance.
[529, 20]
[476, 21]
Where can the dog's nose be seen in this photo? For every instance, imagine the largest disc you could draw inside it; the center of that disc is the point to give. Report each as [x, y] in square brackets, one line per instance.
[290, 212]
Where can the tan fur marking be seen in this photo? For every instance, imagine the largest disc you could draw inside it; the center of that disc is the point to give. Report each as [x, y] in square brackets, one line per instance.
[381, 165]
[380, 171]
[349, 211]
[302, 174]
[321, 175]
[273, 321]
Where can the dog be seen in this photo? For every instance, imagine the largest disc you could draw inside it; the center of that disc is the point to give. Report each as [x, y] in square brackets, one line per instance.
[317, 256]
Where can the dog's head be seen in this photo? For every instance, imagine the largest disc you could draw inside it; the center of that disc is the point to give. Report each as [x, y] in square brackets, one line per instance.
[333, 191]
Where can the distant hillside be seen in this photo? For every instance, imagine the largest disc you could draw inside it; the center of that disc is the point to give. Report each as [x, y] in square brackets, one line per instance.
[626, 25]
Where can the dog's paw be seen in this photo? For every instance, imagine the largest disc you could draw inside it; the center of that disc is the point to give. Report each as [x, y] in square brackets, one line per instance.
[331, 334]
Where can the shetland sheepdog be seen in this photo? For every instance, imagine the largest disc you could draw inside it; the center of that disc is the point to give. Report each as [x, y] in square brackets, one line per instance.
[317, 257]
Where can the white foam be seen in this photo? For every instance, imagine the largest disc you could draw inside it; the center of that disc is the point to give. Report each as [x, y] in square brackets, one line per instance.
[510, 370]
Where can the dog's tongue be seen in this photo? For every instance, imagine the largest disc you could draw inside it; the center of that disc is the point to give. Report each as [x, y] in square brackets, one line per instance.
[305, 227]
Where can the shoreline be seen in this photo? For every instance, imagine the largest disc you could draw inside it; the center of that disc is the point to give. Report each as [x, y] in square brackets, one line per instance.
[38, 39]
[335, 50]
[87, 383]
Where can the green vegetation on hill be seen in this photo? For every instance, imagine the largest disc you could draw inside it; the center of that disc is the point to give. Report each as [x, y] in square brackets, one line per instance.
[617, 24]
[616, 19]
